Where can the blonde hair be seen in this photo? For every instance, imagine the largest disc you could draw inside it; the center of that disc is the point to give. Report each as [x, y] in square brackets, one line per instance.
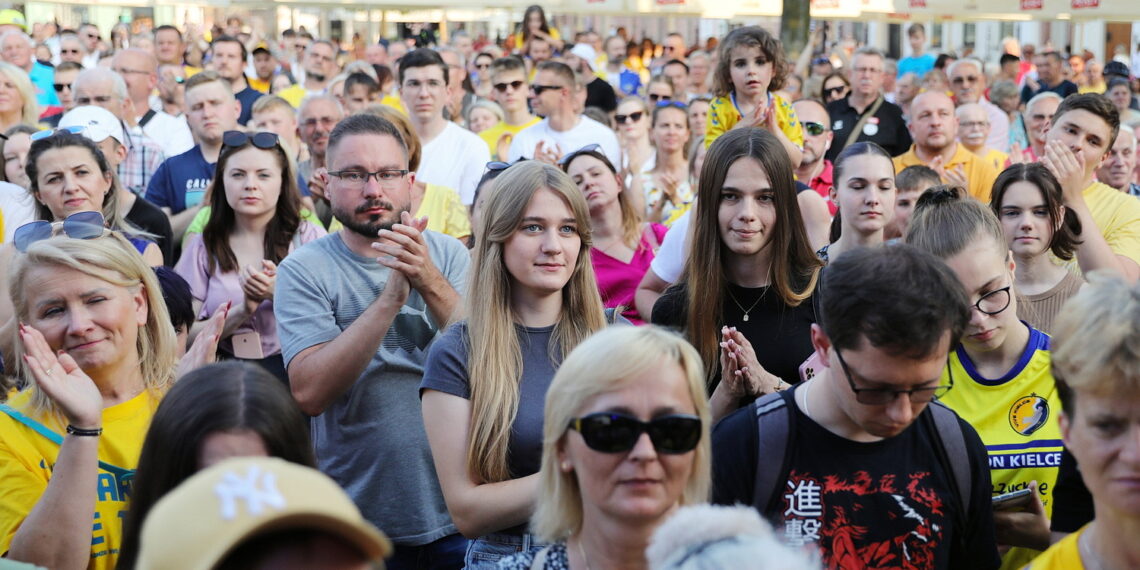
[1095, 344]
[30, 111]
[495, 364]
[602, 364]
[113, 259]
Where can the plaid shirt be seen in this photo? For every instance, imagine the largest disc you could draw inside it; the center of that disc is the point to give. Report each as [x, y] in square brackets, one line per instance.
[143, 157]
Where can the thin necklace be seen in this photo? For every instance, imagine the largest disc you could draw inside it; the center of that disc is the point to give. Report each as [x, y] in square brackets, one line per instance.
[582, 552]
[741, 307]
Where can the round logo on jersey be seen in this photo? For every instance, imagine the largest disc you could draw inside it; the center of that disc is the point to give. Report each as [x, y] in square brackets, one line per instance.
[870, 129]
[838, 126]
[1028, 414]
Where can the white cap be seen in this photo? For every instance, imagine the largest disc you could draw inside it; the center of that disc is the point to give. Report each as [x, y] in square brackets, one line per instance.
[586, 52]
[98, 123]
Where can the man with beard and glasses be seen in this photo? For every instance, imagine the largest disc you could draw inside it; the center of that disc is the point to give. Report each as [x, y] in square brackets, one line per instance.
[355, 346]
[319, 66]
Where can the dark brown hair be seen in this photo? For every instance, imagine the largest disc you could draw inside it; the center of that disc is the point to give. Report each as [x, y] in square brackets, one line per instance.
[1066, 236]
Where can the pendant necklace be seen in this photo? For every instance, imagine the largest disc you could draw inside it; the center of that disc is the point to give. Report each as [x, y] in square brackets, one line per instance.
[741, 307]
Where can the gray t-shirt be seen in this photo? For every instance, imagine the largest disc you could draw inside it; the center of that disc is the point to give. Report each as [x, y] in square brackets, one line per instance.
[446, 372]
[371, 440]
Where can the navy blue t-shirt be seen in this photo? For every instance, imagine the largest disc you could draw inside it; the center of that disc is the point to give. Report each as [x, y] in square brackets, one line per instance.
[247, 97]
[181, 181]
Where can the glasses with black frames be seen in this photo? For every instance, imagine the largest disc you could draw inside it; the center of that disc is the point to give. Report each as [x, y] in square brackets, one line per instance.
[609, 432]
[881, 396]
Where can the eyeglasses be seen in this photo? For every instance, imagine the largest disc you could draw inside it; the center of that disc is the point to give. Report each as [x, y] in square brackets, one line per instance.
[127, 71]
[40, 135]
[834, 90]
[516, 85]
[973, 124]
[590, 148]
[994, 302]
[617, 433]
[358, 178]
[262, 140]
[540, 89]
[880, 396]
[80, 225]
[63, 51]
[653, 97]
[814, 129]
[59, 87]
[964, 79]
[632, 117]
[314, 121]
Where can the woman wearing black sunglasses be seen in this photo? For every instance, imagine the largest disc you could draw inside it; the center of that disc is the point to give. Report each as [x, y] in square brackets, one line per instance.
[533, 298]
[626, 441]
[1004, 384]
[254, 222]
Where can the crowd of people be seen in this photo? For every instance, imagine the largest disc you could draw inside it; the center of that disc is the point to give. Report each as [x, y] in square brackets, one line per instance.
[542, 301]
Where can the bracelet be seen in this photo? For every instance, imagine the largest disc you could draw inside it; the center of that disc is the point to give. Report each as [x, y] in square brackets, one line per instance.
[72, 430]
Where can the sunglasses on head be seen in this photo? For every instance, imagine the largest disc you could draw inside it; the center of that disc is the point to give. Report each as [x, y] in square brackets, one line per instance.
[80, 225]
[595, 147]
[497, 165]
[262, 140]
[40, 135]
[516, 85]
[814, 129]
[671, 103]
[618, 433]
[632, 117]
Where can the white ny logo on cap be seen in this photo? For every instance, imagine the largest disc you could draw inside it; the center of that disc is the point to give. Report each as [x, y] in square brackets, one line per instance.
[234, 487]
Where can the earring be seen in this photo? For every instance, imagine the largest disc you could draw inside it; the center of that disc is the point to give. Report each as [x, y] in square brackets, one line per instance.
[567, 467]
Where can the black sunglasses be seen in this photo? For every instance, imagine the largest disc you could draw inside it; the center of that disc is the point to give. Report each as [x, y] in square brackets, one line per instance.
[617, 433]
[540, 89]
[834, 90]
[516, 85]
[632, 117]
[262, 140]
[80, 225]
[814, 129]
[497, 165]
[655, 97]
[59, 87]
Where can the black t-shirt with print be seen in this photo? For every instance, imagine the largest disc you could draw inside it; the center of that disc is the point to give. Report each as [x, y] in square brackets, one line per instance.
[886, 504]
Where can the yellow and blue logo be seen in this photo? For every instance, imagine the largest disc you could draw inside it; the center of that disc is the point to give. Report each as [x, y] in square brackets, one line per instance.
[1028, 414]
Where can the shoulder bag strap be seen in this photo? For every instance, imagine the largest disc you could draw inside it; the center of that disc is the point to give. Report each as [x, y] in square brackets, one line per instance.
[773, 421]
[124, 474]
[146, 118]
[854, 134]
[954, 443]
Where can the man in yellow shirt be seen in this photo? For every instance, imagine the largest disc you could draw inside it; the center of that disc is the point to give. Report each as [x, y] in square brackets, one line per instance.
[509, 89]
[1081, 135]
[934, 128]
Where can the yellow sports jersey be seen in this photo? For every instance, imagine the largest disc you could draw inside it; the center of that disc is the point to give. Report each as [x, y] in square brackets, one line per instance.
[1117, 215]
[1016, 417]
[492, 134]
[256, 84]
[996, 158]
[1064, 555]
[724, 114]
[27, 459]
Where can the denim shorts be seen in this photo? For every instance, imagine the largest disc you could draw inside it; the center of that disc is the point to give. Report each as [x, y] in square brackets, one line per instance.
[486, 551]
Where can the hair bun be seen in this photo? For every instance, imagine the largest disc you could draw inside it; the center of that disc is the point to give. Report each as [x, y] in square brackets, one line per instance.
[940, 195]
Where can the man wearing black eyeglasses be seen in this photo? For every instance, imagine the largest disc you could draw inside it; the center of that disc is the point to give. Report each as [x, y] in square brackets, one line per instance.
[865, 114]
[858, 461]
[508, 89]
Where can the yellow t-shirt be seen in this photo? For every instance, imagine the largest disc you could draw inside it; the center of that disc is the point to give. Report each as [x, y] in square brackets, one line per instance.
[996, 158]
[394, 102]
[724, 114]
[1117, 215]
[27, 459]
[492, 134]
[261, 85]
[1065, 555]
[1016, 417]
[445, 211]
[980, 174]
[294, 94]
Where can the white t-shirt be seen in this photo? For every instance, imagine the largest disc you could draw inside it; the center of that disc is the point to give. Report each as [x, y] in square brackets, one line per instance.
[18, 206]
[170, 132]
[670, 259]
[586, 132]
[455, 158]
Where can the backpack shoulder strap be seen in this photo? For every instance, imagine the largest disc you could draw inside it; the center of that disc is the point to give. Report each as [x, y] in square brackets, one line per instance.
[124, 474]
[774, 423]
[954, 444]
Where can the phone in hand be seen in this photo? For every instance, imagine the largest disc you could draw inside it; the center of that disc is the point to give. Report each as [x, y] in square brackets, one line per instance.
[1015, 501]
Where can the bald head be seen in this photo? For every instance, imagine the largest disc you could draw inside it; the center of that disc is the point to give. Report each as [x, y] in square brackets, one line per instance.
[139, 69]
